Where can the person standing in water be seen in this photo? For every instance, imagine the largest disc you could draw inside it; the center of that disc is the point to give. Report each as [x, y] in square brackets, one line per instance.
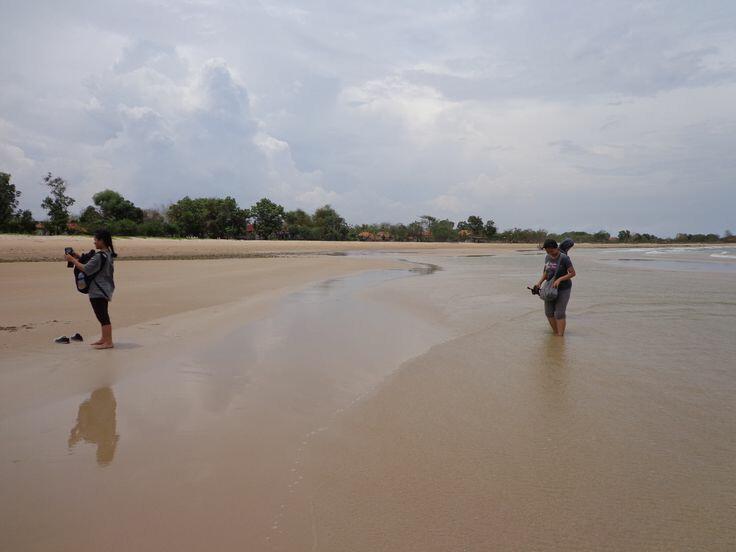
[103, 285]
[559, 270]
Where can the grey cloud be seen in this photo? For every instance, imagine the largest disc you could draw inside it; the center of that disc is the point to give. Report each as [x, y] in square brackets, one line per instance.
[381, 107]
[162, 58]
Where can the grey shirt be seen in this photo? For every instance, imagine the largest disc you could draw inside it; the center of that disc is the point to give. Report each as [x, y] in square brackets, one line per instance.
[559, 267]
[104, 281]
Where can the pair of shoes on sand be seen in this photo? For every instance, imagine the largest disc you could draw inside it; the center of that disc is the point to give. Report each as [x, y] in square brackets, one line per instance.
[64, 339]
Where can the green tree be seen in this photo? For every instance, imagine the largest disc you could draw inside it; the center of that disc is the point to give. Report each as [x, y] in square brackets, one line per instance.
[57, 204]
[399, 232]
[490, 230]
[329, 225]
[90, 218]
[475, 225]
[601, 236]
[187, 217]
[23, 222]
[226, 219]
[624, 235]
[427, 221]
[415, 231]
[8, 201]
[123, 227]
[155, 224]
[443, 230]
[207, 217]
[523, 235]
[268, 218]
[298, 225]
[113, 206]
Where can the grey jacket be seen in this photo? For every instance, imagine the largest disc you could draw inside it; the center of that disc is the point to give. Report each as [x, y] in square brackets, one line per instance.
[103, 285]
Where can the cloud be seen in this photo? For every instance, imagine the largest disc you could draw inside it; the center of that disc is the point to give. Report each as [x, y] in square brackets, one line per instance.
[174, 130]
[532, 113]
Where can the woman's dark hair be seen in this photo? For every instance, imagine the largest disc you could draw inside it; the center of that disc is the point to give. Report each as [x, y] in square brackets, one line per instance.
[549, 242]
[105, 237]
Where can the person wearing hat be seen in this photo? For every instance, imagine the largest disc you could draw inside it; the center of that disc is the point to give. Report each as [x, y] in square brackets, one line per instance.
[557, 268]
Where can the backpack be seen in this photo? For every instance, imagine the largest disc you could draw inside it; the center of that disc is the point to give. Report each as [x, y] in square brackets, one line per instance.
[83, 280]
[566, 245]
[547, 292]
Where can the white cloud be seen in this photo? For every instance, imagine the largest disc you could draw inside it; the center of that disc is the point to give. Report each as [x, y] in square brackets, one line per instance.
[316, 197]
[531, 113]
[447, 204]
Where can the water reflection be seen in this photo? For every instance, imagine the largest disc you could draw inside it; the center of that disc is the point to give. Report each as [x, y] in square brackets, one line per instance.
[554, 372]
[96, 424]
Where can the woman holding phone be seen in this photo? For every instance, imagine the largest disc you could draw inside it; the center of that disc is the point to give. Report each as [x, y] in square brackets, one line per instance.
[102, 286]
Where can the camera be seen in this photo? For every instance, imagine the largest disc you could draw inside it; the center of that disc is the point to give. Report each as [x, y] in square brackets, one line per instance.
[69, 251]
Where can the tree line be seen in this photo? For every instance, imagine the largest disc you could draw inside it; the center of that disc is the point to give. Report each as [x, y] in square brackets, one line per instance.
[209, 217]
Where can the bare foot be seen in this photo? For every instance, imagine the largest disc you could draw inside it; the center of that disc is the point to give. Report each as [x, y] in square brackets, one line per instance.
[102, 345]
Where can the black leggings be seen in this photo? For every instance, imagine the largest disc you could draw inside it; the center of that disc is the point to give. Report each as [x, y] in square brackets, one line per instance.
[99, 305]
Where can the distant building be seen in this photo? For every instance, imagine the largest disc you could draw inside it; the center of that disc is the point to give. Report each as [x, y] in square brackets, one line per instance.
[73, 227]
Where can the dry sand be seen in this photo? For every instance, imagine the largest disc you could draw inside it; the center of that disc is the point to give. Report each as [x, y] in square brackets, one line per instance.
[318, 402]
[49, 248]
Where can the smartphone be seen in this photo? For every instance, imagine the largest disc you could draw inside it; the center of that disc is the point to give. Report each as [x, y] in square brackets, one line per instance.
[68, 251]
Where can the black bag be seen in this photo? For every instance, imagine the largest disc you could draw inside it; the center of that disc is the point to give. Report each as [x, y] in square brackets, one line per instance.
[566, 245]
[84, 280]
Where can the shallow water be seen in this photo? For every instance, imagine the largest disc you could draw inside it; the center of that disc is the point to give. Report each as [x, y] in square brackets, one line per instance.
[621, 436]
[693, 259]
[391, 411]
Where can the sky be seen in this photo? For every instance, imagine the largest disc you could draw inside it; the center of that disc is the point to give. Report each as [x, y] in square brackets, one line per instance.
[560, 115]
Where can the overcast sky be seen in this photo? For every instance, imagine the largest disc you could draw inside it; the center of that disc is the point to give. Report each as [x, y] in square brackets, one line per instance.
[560, 115]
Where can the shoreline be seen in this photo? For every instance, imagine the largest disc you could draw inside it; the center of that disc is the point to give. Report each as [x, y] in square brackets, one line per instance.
[25, 248]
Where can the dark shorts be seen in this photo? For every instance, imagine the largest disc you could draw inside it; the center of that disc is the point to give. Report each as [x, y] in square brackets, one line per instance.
[99, 305]
[558, 307]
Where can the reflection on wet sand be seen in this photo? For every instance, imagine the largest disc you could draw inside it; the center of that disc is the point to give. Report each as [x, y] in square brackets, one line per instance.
[553, 372]
[96, 424]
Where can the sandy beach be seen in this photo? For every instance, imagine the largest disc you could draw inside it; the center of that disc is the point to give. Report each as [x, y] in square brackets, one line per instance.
[397, 397]
[14, 248]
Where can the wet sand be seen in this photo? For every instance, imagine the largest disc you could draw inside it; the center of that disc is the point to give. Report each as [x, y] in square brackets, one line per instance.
[40, 301]
[384, 409]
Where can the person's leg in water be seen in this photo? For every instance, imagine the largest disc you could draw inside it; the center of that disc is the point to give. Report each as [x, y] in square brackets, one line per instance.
[100, 307]
[560, 311]
[561, 323]
[549, 311]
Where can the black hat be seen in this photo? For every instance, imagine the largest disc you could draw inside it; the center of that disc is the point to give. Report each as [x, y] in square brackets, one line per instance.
[550, 243]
